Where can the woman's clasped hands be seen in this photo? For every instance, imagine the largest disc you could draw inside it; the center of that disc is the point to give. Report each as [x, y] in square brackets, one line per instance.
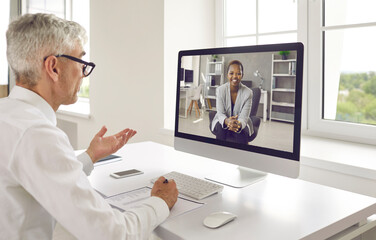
[233, 124]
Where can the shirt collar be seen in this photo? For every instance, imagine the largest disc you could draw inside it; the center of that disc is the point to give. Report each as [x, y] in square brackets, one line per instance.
[35, 100]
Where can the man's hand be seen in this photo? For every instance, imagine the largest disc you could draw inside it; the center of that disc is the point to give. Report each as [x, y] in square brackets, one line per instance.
[167, 191]
[101, 147]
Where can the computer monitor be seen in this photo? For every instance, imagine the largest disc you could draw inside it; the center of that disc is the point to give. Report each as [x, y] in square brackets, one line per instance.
[275, 72]
[188, 76]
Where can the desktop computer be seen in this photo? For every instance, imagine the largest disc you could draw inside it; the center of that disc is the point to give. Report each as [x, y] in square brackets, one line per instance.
[272, 142]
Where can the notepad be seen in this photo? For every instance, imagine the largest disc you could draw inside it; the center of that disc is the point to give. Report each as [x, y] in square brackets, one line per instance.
[127, 200]
[109, 159]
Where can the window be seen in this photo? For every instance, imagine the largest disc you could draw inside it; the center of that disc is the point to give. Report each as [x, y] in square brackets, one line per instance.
[56, 7]
[342, 69]
[78, 11]
[340, 87]
[250, 22]
[4, 21]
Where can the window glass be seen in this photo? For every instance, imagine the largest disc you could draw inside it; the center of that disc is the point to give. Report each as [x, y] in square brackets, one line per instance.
[83, 17]
[4, 21]
[350, 75]
[277, 38]
[56, 7]
[240, 41]
[277, 15]
[36, 4]
[240, 17]
[343, 12]
[256, 22]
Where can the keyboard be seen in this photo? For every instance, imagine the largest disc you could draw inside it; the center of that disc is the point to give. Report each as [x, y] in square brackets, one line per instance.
[191, 186]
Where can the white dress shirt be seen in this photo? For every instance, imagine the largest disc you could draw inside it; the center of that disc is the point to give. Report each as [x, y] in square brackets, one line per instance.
[42, 181]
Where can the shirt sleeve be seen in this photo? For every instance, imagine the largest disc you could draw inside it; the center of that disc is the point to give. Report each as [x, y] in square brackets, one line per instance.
[221, 105]
[245, 108]
[87, 163]
[47, 168]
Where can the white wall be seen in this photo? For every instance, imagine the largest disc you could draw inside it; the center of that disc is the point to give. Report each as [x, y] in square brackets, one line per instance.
[135, 45]
[126, 87]
[188, 25]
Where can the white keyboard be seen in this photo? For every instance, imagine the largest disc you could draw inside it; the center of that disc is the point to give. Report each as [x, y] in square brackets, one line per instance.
[192, 187]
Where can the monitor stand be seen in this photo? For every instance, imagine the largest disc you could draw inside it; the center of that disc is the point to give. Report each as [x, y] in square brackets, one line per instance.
[238, 177]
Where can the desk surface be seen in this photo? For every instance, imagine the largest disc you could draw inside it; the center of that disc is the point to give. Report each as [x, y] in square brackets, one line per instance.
[274, 208]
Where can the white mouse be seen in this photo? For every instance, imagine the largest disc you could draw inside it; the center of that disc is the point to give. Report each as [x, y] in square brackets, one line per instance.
[218, 219]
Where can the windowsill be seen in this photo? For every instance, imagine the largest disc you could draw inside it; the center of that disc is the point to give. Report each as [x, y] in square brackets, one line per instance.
[339, 156]
[343, 157]
[80, 109]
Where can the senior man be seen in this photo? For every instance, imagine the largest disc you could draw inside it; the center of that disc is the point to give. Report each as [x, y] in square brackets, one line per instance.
[42, 181]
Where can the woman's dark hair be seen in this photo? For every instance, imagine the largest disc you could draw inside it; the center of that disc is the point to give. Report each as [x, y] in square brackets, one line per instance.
[235, 62]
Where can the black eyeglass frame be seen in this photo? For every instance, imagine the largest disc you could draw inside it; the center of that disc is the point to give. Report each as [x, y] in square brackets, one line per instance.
[91, 64]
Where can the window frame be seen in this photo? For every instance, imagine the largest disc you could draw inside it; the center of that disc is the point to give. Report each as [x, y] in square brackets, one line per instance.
[302, 36]
[82, 107]
[310, 31]
[318, 126]
[220, 33]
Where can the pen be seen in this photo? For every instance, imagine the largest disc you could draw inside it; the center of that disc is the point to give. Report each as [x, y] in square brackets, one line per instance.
[165, 181]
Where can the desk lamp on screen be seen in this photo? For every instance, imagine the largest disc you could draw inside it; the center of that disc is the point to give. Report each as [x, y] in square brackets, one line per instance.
[256, 147]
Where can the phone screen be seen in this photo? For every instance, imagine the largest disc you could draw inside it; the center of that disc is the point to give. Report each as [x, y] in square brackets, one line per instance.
[126, 173]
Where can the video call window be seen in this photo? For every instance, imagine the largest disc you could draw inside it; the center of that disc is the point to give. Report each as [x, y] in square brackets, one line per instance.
[264, 104]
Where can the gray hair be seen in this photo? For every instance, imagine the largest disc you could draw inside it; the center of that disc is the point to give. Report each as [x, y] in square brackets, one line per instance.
[32, 37]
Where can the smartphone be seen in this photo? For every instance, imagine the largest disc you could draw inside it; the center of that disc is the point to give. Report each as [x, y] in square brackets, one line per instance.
[126, 173]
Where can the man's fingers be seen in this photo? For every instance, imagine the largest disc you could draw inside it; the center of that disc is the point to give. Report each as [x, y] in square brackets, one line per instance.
[101, 132]
[122, 133]
[124, 138]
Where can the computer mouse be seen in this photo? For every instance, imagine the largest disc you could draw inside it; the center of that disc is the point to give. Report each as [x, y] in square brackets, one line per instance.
[218, 219]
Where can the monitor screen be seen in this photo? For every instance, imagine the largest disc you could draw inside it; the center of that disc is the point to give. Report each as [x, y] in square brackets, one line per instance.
[250, 101]
[188, 76]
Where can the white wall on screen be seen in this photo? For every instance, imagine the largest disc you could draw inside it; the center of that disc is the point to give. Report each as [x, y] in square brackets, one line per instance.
[196, 68]
[192, 63]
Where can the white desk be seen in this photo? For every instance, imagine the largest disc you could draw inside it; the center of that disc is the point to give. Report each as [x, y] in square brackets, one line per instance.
[275, 208]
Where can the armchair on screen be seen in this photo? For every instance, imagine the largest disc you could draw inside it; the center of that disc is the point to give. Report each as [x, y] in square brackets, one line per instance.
[255, 120]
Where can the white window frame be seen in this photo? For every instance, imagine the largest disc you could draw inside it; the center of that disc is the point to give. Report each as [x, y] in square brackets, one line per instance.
[81, 108]
[68, 8]
[310, 34]
[302, 34]
[5, 16]
[220, 33]
[316, 125]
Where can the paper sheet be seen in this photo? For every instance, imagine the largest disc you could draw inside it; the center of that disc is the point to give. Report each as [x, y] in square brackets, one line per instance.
[133, 198]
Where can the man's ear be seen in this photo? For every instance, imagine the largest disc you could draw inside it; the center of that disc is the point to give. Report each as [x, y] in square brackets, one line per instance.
[52, 68]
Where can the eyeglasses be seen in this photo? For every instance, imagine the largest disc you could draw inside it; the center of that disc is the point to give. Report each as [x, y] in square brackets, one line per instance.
[86, 69]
